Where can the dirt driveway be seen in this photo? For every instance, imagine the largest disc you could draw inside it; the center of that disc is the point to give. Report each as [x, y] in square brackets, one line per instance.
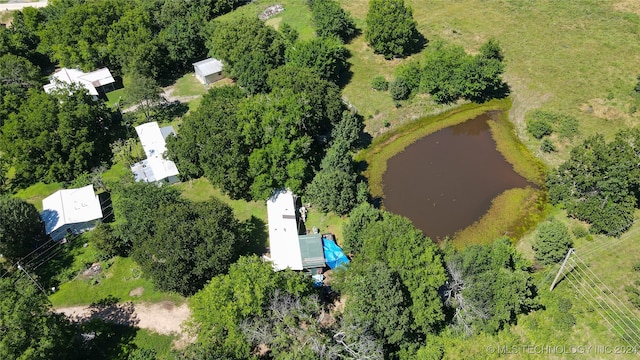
[164, 317]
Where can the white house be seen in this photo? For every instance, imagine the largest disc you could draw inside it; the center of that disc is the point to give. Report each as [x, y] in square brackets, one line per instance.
[288, 249]
[208, 71]
[155, 167]
[70, 211]
[96, 82]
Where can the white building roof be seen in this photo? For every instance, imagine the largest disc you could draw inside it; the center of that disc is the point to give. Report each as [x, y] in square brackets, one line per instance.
[155, 167]
[90, 81]
[283, 231]
[70, 206]
[208, 66]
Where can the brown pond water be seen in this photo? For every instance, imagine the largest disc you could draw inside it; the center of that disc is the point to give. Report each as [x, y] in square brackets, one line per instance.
[445, 181]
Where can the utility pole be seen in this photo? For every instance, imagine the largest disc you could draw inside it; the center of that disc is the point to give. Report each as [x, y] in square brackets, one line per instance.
[32, 279]
[561, 268]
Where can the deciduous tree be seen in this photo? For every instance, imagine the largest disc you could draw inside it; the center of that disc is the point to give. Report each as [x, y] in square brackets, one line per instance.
[21, 227]
[391, 29]
[552, 242]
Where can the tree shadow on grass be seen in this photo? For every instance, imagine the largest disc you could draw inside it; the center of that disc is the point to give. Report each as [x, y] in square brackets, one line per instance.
[257, 237]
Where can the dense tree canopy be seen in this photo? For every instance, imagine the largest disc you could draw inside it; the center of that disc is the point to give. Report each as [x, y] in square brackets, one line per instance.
[334, 187]
[57, 137]
[327, 57]
[178, 243]
[192, 243]
[29, 329]
[209, 143]
[262, 142]
[249, 50]
[489, 285]
[381, 305]
[222, 306]
[449, 73]
[21, 227]
[600, 183]
[17, 76]
[391, 29]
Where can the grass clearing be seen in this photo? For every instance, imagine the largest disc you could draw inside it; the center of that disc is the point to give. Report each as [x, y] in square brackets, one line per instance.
[118, 278]
[202, 190]
[162, 344]
[114, 97]
[188, 85]
[36, 192]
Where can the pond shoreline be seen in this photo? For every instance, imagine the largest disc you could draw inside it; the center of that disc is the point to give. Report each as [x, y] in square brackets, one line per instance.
[503, 217]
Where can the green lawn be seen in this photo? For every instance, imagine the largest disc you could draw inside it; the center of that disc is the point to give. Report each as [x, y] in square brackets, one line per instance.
[188, 85]
[114, 97]
[35, 193]
[119, 277]
[296, 13]
[201, 190]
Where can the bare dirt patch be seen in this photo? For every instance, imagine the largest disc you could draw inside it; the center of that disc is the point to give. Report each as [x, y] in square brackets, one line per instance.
[137, 292]
[601, 109]
[164, 318]
[631, 6]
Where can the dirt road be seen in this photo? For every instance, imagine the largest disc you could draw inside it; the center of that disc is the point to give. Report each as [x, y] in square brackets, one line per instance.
[164, 317]
[21, 5]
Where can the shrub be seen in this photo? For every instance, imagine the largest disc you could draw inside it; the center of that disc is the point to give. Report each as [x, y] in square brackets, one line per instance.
[398, 89]
[379, 83]
[547, 146]
[579, 231]
[539, 128]
[636, 267]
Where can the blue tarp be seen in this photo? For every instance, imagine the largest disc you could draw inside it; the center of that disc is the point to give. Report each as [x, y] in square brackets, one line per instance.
[333, 255]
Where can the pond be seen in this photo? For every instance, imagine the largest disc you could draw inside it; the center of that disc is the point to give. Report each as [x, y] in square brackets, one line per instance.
[446, 181]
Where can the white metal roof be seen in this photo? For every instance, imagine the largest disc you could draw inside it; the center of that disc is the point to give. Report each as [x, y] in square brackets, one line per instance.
[283, 231]
[89, 81]
[208, 66]
[155, 167]
[70, 206]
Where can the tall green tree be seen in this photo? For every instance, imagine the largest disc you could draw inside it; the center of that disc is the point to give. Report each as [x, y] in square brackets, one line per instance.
[77, 35]
[382, 305]
[135, 206]
[600, 181]
[192, 242]
[210, 142]
[21, 227]
[359, 219]
[489, 285]
[331, 20]
[144, 92]
[227, 300]
[133, 44]
[248, 48]
[326, 56]
[391, 29]
[17, 76]
[552, 242]
[395, 241]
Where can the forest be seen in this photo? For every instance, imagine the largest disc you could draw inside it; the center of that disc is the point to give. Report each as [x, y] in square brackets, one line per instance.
[306, 93]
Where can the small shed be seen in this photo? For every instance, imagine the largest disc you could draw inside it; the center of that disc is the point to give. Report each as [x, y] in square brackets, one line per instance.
[208, 71]
[71, 211]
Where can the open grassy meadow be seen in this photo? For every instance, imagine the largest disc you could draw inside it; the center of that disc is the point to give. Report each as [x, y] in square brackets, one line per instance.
[574, 57]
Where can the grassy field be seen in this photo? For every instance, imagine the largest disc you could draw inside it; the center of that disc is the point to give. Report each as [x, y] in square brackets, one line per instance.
[574, 57]
[118, 277]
